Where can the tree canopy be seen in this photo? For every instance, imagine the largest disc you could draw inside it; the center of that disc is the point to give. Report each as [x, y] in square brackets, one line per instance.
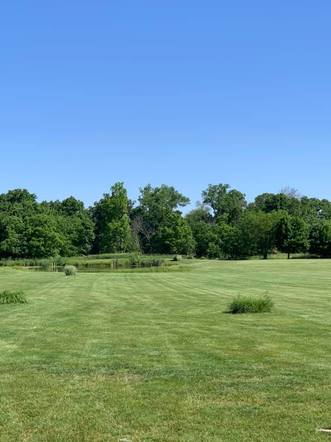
[223, 225]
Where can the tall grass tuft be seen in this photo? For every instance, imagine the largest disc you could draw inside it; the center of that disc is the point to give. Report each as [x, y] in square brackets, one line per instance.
[250, 304]
[70, 270]
[7, 297]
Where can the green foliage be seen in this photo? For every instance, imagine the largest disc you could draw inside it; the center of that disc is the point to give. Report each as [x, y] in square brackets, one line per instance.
[158, 224]
[70, 270]
[223, 226]
[269, 202]
[250, 304]
[8, 297]
[205, 234]
[256, 234]
[42, 236]
[174, 237]
[32, 230]
[161, 200]
[112, 223]
[78, 227]
[320, 238]
[117, 236]
[291, 234]
[225, 202]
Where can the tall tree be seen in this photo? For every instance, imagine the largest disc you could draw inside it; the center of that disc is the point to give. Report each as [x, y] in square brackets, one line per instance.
[74, 223]
[157, 220]
[43, 238]
[257, 233]
[226, 203]
[320, 238]
[174, 237]
[291, 234]
[271, 202]
[205, 233]
[12, 236]
[112, 222]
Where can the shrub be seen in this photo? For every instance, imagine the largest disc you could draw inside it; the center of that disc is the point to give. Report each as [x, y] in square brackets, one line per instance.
[249, 304]
[70, 270]
[7, 297]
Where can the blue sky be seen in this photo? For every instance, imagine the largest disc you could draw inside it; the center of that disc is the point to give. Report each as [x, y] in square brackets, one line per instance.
[181, 92]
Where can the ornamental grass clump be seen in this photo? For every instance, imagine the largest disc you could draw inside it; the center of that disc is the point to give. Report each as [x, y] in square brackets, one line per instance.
[70, 270]
[250, 304]
[7, 297]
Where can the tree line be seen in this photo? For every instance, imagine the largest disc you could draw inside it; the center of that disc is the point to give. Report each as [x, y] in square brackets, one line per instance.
[223, 225]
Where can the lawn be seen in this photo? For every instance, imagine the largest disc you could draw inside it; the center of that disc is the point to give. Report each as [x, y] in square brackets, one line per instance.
[153, 357]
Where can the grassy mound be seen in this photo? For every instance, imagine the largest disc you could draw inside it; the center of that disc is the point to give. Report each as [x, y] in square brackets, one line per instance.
[7, 297]
[70, 270]
[249, 304]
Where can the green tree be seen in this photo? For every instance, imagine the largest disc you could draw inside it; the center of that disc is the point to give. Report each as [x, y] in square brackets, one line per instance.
[112, 222]
[314, 209]
[73, 223]
[213, 240]
[42, 237]
[291, 234]
[257, 234]
[156, 220]
[226, 203]
[12, 238]
[320, 238]
[271, 202]
[174, 237]
[204, 232]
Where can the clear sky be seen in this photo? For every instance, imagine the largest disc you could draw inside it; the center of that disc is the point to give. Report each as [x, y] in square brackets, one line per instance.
[182, 92]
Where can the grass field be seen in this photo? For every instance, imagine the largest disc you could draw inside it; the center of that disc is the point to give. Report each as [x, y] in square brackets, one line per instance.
[153, 357]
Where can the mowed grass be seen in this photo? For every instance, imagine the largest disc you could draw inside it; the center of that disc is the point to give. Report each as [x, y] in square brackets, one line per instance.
[153, 356]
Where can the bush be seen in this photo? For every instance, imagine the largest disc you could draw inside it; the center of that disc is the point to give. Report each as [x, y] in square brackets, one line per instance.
[7, 297]
[248, 304]
[70, 270]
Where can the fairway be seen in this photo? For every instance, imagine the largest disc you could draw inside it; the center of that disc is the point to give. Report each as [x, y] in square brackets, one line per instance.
[153, 357]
